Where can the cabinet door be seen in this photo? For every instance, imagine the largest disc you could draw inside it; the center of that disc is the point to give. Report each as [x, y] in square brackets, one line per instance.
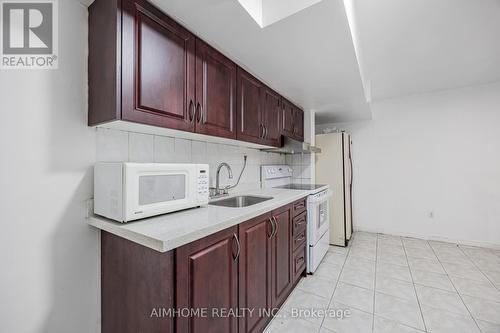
[272, 117]
[281, 256]
[299, 124]
[287, 118]
[136, 281]
[215, 92]
[158, 68]
[255, 273]
[249, 109]
[207, 278]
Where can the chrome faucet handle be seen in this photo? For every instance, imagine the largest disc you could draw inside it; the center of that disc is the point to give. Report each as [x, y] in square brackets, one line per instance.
[214, 193]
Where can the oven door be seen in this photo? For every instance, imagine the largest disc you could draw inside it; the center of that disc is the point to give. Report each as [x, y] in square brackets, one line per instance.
[154, 189]
[318, 216]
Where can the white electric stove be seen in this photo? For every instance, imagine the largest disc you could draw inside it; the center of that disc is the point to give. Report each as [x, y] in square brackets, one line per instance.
[280, 176]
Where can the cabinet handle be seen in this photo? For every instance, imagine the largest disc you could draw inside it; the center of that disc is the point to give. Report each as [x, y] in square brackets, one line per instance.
[299, 261]
[190, 110]
[299, 205]
[273, 227]
[202, 115]
[261, 134]
[200, 118]
[238, 251]
[198, 112]
[265, 131]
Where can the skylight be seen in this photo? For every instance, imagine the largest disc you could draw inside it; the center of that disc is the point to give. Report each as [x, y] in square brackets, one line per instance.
[267, 12]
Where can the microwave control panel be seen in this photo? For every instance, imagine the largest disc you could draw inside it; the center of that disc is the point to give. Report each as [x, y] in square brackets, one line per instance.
[203, 183]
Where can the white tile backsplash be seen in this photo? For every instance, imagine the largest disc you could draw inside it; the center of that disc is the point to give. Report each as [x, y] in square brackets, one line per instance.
[163, 150]
[302, 169]
[182, 151]
[140, 147]
[114, 145]
[199, 152]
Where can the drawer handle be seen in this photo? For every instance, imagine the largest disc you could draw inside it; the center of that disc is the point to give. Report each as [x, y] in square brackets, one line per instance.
[301, 221]
[299, 260]
[299, 205]
[299, 239]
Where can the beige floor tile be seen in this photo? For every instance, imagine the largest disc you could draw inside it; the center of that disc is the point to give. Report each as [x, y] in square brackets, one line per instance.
[399, 310]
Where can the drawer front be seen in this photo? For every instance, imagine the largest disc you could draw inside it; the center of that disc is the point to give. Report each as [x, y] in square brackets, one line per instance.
[299, 262]
[299, 223]
[299, 207]
[299, 239]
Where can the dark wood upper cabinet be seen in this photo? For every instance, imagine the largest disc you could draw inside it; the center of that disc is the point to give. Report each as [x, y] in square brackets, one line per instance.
[215, 92]
[281, 256]
[287, 118]
[292, 121]
[299, 124]
[249, 109]
[158, 68]
[272, 117]
[255, 273]
[146, 68]
[207, 277]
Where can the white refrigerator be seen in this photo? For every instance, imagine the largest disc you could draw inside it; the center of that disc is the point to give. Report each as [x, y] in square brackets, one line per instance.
[334, 167]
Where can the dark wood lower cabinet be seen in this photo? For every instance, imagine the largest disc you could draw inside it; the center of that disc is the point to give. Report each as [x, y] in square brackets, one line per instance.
[207, 278]
[137, 283]
[255, 273]
[281, 252]
[230, 281]
[299, 262]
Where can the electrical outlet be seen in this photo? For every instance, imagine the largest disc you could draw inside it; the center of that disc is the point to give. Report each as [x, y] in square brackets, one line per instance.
[431, 215]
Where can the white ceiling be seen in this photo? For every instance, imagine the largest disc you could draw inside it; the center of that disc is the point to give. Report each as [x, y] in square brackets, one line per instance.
[415, 46]
[308, 57]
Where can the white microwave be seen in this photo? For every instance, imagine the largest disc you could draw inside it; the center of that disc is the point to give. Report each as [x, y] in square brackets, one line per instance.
[130, 191]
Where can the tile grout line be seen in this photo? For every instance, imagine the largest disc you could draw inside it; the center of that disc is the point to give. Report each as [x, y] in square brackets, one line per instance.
[415, 288]
[454, 287]
[336, 283]
[374, 286]
[479, 269]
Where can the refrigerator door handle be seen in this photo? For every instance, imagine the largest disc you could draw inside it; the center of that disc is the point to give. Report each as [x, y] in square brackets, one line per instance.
[352, 173]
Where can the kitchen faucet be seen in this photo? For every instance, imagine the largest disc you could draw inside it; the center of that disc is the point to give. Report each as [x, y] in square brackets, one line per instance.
[215, 192]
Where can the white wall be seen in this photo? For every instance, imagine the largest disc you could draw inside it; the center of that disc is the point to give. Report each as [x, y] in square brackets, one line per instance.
[437, 153]
[50, 264]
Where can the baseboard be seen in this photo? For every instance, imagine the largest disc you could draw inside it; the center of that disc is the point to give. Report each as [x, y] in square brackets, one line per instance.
[433, 238]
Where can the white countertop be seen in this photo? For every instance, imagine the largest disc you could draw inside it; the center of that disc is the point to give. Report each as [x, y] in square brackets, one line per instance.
[166, 232]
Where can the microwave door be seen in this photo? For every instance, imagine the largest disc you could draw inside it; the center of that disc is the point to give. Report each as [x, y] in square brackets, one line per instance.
[160, 189]
[155, 192]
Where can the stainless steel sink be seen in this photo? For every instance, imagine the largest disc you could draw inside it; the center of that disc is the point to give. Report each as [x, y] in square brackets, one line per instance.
[240, 201]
